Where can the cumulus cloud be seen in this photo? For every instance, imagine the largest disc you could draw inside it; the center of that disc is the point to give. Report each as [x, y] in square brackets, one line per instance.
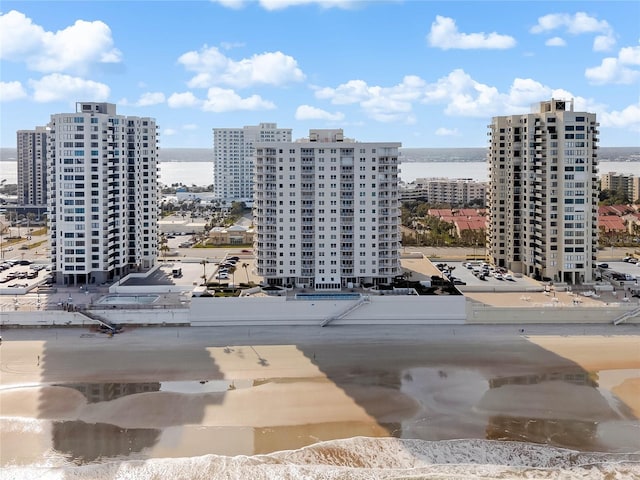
[444, 34]
[225, 100]
[447, 132]
[183, 100]
[72, 49]
[384, 104]
[168, 132]
[555, 42]
[603, 43]
[628, 117]
[307, 112]
[57, 87]
[282, 4]
[458, 92]
[10, 91]
[623, 69]
[213, 68]
[150, 98]
[146, 99]
[578, 24]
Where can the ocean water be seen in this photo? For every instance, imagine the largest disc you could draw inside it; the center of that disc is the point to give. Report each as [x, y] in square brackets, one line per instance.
[193, 166]
[362, 458]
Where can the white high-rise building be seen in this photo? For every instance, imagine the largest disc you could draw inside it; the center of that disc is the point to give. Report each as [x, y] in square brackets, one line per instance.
[327, 212]
[543, 192]
[103, 194]
[32, 168]
[233, 150]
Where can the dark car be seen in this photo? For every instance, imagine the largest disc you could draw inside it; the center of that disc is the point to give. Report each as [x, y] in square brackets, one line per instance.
[603, 265]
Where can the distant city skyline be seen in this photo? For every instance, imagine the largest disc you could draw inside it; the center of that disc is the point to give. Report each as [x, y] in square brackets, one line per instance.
[423, 73]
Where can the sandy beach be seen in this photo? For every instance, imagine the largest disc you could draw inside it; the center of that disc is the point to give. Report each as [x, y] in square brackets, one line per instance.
[169, 392]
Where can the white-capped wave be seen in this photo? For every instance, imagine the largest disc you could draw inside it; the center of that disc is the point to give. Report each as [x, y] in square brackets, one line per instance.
[366, 458]
[22, 424]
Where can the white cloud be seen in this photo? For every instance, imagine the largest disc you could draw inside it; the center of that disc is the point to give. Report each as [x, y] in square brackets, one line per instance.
[622, 69]
[577, 24]
[630, 55]
[169, 132]
[150, 98]
[574, 24]
[384, 104]
[282, 4]
[603, 43]
[214, 68]
[56, 87]
[555, 42]
[224, 100]
[183, 100]
[72, 49]
[447, 132]
[10, 91]
[234, 4]
[190, 126]
[353, 91]
[444, 34]
[629, 118]
[307, 112]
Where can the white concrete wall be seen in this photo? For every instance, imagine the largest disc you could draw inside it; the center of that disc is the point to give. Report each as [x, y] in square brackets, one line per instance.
[123, 317]
[280, 311]
[480, 314]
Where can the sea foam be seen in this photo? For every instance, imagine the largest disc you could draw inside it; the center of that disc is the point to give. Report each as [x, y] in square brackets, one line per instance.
[363, 458]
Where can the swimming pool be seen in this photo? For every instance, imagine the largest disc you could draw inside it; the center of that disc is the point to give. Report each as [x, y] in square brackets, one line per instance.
[128, 299]
[327, 296]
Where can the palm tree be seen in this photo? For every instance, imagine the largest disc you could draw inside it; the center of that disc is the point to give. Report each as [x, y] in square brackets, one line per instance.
[245, 266]
[204, 270]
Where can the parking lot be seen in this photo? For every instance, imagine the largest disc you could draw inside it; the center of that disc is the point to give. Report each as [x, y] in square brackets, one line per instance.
[21, 273]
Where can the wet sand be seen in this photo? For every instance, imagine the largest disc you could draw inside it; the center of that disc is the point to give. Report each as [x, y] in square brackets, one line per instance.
[191, 391]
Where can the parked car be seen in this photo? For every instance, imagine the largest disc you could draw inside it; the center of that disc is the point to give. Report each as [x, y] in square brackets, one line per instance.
[457, 281]
[603, 265]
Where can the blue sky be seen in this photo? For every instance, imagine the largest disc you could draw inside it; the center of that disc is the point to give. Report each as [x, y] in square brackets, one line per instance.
[424, 73]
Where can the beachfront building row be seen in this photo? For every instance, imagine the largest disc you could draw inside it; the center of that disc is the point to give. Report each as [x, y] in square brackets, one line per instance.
[543, 192]
[449, 191]
[102, 193]
[32, 169]
[233, 150]
[629, 184]
[326, 212]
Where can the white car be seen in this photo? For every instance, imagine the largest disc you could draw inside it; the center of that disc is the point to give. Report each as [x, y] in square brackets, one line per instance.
[221, 276]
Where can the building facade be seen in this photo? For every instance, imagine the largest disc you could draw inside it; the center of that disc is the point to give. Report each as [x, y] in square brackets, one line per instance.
[233, 150]
[32, 169]
[543, 195]
[103, 195]
[327, 212]
[446, 191]
[627, 183]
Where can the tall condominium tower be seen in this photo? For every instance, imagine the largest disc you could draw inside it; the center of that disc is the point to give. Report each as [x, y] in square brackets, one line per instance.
[103, 193]
[32, 169]
[233, 150]
[542, 197]
[326, 211]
